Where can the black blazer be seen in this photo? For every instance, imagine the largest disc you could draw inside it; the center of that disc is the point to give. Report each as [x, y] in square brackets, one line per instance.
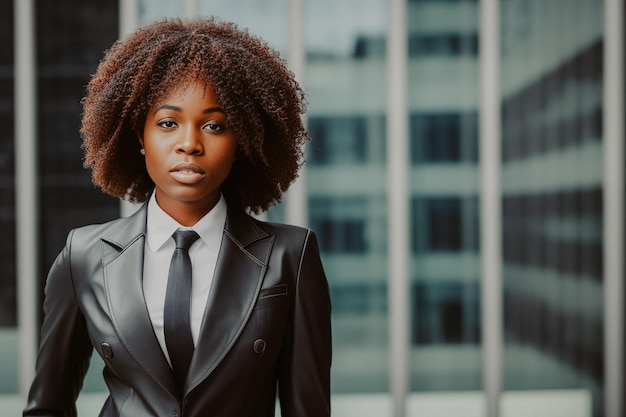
[266, 323]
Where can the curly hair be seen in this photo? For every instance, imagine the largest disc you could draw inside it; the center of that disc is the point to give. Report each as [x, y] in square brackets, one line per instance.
[260, 96]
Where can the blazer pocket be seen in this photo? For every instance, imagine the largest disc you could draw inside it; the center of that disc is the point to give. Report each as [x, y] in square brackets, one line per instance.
[273, 296]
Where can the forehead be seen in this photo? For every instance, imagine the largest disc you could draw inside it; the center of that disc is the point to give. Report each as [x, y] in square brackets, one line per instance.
[176, 88]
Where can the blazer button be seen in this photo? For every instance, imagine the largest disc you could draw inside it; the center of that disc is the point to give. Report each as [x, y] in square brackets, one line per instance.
[259, 346]
[107, 351]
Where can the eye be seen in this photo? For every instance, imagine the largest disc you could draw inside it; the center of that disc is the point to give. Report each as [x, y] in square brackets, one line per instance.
[167, 124]
[215, 127]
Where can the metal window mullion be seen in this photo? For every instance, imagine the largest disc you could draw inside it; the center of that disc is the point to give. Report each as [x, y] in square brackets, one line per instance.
[296, 211]
[490, 204]
[26, 191]
[398, 204]
[129, 16]
[190, 8]
[613, 206]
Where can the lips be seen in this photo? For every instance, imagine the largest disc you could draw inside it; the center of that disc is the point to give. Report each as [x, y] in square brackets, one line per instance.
[187, 173]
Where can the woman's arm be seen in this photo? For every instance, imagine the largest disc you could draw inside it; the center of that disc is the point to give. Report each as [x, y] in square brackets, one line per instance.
[304, 384]
[65, 348]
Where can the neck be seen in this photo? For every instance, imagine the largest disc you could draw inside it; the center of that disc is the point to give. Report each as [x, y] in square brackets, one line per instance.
[187, 213]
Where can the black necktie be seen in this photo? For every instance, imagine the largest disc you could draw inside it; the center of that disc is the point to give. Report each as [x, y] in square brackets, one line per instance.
[176, 320]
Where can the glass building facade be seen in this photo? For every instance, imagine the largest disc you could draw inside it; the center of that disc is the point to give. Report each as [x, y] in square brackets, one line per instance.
[552, 152]
[552, 186]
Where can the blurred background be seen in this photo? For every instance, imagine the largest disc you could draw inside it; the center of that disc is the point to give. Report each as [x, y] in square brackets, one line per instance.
[559, 248]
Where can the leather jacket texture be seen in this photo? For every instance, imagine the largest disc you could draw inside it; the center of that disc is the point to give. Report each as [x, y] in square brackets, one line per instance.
[266, 329]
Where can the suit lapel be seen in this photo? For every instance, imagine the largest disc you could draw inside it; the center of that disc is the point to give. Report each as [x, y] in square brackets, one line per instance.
[239, 273]
[123, 252]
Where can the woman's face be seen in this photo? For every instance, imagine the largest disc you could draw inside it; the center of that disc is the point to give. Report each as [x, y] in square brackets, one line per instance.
[189, 150]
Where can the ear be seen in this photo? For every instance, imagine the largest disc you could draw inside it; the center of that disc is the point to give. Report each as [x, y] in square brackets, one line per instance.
[139, 137]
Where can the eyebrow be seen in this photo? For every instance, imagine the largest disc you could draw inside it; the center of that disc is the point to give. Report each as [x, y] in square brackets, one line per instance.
[213, 110]
[179, 109]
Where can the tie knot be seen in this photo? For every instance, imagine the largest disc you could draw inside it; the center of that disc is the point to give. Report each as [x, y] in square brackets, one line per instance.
[184, 238]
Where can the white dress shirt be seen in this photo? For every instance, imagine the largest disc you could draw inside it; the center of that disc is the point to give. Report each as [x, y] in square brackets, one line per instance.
[157, 256]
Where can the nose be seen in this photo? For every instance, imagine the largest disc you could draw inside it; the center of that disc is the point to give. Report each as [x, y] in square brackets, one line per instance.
[190, 142]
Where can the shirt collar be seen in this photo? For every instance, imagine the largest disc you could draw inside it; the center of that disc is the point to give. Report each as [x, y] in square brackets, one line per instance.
[160, 226]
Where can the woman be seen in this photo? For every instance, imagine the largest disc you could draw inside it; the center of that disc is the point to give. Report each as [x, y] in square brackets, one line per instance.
[201, 121]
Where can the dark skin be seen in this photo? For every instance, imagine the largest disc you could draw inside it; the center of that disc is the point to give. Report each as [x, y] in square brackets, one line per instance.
[189, 150]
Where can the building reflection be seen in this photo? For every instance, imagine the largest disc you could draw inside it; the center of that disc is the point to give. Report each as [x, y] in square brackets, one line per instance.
[552, 195]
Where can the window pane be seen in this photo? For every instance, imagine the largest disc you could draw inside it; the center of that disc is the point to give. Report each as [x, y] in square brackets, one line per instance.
[150, 10]
[445, 351]
[552, 196]
[268, 19]
[346, 181]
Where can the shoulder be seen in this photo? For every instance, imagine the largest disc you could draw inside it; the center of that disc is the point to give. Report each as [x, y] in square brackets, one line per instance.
[284, 230]
[118, 232]
[300, 241]
[98, 229]
[246, 230]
